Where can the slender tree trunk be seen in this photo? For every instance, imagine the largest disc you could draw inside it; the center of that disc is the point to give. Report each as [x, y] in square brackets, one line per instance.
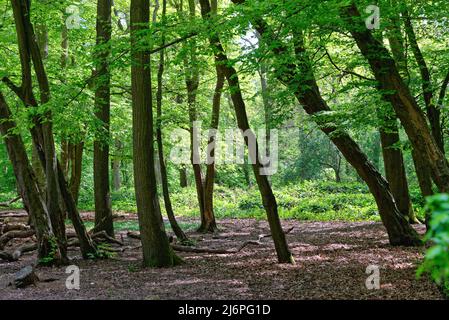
[103, 210]
[163, 170]
[395, 171]
[30, 51]
[116, 161]
[183, 176]
[155, 246]
[268, 198]
[76, 169]
[192, 83]
[210, 224]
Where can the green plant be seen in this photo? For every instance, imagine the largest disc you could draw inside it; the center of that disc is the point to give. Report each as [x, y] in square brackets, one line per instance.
[50, 258]
[436, 261]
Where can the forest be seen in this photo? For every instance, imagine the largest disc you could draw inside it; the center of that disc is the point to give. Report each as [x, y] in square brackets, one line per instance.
[224, 149]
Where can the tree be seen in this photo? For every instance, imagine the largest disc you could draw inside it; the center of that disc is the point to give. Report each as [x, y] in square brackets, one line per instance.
[103, 210]
[28, 186]
[296, 73]
[164, 179]
[155, 246]
[268, 198]
[398, 94]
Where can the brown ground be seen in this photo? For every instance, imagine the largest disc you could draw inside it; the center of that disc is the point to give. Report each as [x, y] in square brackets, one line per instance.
[331, 259]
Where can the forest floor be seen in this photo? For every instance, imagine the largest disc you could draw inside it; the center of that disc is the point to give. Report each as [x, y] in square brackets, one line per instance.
[331, 260]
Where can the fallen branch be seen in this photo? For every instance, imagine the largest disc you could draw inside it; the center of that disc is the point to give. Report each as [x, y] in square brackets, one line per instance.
[98, 237]
[4, 228]
[13, 214]
[4, 239]
[16, 254]
[7, 204]
[136, 235]
[262, 236]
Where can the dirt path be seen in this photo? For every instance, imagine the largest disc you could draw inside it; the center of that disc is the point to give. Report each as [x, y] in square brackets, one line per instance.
[331, 261]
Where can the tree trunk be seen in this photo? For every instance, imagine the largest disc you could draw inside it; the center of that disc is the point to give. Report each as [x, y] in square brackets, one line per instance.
[433, 112]
[42, 133]
[407, 110]
[307, 93]
[103, 210]
[268, 198]
[76, 169]
[116, 174]
[30, 51]
[210, 224]
[28, 186]
[163, 170]
[398, 51]
[183, 176]
[192, 83]
[395, 170]
[155, 246]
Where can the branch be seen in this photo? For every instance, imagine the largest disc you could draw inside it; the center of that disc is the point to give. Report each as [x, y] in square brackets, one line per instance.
[443, 91]
[346, 71]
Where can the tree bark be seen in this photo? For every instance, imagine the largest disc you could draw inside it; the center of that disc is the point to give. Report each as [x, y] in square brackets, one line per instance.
[155, 246]
[268, 198]
[103, 210]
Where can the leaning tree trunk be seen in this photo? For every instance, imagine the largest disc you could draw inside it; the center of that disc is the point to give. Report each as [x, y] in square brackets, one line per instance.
[397, 46]
[103, 210]
[433, 112]
[155, 246]
[299, 78]
[399, 95]
[28, 186]
[29, 51]
[164, 179]
[268, 198]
